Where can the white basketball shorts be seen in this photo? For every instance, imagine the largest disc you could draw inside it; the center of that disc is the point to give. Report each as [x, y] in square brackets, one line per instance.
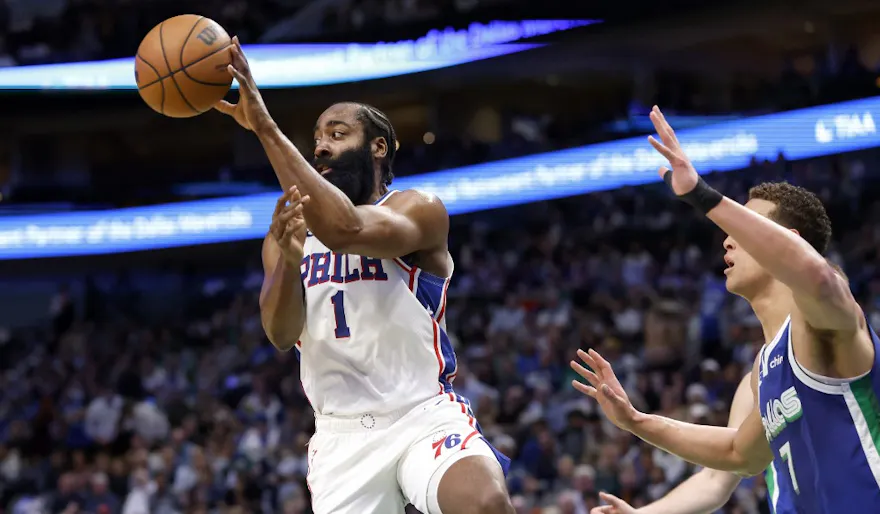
[376, 464]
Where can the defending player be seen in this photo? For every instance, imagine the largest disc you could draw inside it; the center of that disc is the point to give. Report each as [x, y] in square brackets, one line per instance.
[704, 492]
[815, 382]
[362, 297]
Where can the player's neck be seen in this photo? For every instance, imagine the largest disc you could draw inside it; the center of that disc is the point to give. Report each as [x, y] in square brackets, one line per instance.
[771, 307]
[379, 192]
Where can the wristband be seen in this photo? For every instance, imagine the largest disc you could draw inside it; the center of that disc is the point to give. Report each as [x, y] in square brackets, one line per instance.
[702, 197]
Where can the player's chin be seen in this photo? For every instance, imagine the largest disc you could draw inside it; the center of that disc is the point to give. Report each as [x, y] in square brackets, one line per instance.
[738, 286]
[731, 283]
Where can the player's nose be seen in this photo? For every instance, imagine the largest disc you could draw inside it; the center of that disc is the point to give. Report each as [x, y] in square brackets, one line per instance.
[729, 243]
[322, 150]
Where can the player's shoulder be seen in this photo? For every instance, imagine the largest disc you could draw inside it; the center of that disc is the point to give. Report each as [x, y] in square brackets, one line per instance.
[416, 201]
[414, 196]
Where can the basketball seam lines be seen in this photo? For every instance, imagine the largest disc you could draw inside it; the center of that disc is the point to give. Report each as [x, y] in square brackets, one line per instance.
[183, 49]
[200, 59]
[162, 98]
[165, 56]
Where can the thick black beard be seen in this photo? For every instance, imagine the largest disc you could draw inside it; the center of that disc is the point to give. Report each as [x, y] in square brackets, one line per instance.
[352, 172]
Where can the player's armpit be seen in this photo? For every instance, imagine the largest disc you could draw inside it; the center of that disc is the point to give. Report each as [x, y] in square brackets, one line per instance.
[282, 302]
[408, 221]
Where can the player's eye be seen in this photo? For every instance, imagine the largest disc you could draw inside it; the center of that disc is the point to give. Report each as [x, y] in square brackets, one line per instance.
[337, 134]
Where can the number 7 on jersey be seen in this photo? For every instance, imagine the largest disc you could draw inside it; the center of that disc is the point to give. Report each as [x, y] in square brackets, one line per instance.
[338, 301]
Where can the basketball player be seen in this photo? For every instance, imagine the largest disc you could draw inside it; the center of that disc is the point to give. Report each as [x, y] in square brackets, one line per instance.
[361, 296]
[817, 417]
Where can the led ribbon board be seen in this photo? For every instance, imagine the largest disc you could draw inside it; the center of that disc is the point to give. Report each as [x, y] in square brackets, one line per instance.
[726, 146]
[299, 65]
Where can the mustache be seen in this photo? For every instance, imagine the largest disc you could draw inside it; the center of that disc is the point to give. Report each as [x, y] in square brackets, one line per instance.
[346, 160]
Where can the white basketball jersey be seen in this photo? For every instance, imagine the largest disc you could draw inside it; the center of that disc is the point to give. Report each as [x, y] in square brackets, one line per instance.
[375, 333]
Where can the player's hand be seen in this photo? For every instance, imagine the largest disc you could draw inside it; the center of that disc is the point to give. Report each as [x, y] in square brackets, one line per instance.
[605, 388]
[288, 226]
[684, 176]
[615, 506]
[250, 112]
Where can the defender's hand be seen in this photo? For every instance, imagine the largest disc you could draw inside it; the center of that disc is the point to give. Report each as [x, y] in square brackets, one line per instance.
[684, 176]
[288, 226]
[615, 506]
[250, 112]
[605, 388]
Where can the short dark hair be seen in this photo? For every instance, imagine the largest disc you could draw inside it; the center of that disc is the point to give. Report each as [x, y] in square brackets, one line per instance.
[376, 124]
[798, 209]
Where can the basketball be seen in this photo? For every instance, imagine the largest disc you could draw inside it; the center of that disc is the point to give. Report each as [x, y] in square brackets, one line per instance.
[180, 66]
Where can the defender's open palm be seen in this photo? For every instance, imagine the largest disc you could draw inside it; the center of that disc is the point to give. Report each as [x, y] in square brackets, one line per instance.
[250, 112]
[288, 226]
[615, 506]
[684, 176]
[605, 388]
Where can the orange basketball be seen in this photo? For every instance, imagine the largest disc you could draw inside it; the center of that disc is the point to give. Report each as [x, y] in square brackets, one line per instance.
[180, 67]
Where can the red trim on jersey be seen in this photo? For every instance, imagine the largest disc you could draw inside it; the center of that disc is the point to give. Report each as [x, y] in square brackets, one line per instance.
[437, 352]
[442, 310]
[468, 438]
[412, 270]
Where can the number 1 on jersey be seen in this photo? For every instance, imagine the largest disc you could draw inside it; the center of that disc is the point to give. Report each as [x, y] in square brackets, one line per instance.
[338, 301]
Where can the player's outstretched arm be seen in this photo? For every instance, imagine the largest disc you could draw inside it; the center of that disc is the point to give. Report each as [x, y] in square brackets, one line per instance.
[744, 450]
[708, 489]
[821, 294]
[406, 224]
[282, 302]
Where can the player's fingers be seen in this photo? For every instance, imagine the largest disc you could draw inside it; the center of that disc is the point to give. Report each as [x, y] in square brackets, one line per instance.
[662, 149]
[670, 132]
[587, 375]
[237, 75]
[610, 499]
[290, 213]
[584, 389]
[602, 364]
[225, 107]
[286, 236]
[663, 171]
[305, 200]
[242, 58]
[588, 360]
[615, 398]
[279, 206]
[662, 128]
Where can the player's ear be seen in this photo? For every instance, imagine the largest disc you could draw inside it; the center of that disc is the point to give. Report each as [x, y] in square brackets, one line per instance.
[795, 231]
[379, 147]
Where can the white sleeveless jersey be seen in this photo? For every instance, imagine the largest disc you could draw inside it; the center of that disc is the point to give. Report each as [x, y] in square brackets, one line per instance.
[375, 333]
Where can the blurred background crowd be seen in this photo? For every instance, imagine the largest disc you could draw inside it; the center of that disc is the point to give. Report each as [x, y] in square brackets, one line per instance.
[144, 382]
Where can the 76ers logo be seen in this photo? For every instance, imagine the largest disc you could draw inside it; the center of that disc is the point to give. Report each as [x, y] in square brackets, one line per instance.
[449, 441]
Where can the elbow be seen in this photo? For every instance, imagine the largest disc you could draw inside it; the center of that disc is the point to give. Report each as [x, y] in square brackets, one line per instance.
[282, 338]
[749, 470]
[281, 341]
[340, 238]
[744, 467]
[825, 283]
